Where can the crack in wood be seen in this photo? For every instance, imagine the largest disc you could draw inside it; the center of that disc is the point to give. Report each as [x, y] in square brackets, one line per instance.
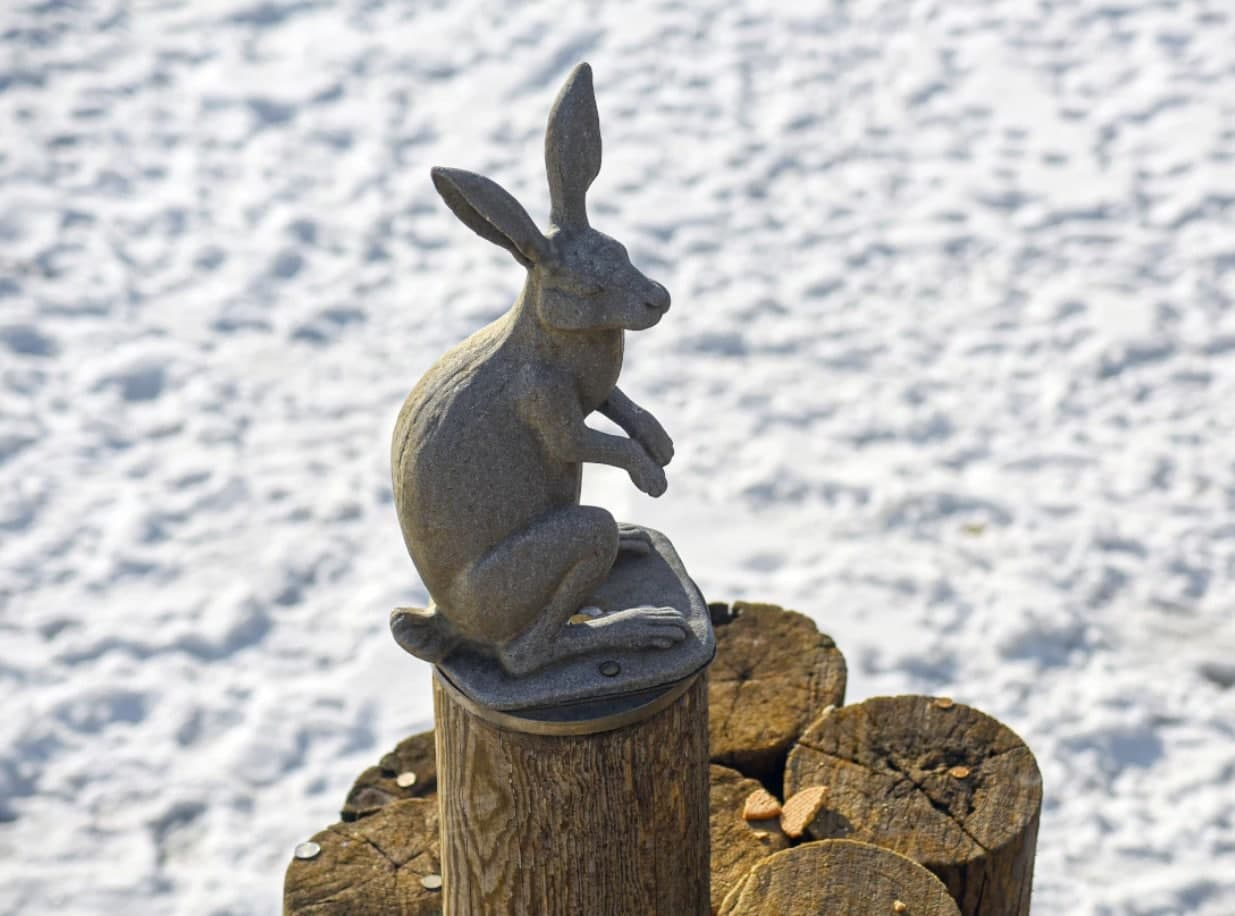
[902, 776]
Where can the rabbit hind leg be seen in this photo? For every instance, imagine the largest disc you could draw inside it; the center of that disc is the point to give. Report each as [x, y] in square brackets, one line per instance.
[549, 639]
[523, 591]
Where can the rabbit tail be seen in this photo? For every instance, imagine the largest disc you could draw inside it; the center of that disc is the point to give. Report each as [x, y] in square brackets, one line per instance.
[424, 633]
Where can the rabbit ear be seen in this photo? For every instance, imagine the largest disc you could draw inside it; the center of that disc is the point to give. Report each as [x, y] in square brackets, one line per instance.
[487, 209]
[572, 149]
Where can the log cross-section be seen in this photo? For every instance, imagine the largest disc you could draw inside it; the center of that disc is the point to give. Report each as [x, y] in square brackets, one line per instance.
[773, 672]
[838, 878]
[384, 865]
[937, 781]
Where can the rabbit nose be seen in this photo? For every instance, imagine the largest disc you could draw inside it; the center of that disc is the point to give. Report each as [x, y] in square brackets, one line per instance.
[658, 297]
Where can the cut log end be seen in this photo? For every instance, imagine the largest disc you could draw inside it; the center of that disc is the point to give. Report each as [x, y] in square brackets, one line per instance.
[838, 877]
[409, 771]
[383, 864]
[941, 783]
[773, 672]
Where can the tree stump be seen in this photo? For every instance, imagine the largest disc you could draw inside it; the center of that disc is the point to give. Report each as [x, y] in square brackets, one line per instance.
[614, 823]
[737, 844]
[388, 863]
[939, 782]
[838, 878]
[773, 673]
[409, 771]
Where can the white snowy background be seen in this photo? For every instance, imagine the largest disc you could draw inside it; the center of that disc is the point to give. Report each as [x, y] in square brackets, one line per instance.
[950, 367]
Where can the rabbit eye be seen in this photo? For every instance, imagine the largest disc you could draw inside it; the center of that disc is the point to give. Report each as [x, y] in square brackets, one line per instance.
[577, 286]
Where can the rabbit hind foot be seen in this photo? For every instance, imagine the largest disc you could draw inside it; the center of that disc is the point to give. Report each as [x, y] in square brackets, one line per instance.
[628, 629]
[423, 632]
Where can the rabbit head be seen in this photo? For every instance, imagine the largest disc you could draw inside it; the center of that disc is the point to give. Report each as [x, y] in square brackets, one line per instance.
[580, 278]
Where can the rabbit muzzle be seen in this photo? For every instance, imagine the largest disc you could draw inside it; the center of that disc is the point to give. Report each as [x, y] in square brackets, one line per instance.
[657, 298]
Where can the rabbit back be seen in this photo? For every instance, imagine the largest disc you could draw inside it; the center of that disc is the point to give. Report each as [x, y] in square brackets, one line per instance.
[468, 471]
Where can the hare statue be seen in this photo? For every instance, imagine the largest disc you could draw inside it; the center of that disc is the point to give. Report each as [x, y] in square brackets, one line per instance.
[488, 447]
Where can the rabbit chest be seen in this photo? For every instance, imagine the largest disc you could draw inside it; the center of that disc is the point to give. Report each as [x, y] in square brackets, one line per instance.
[593, 362]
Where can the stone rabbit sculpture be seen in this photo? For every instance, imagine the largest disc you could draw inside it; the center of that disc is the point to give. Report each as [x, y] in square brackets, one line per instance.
[488, 447]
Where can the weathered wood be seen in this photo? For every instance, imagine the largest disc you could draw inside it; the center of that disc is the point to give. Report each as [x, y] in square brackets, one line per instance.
[413, 758]
[942, 783]
[372, 866]
[737, 844]
[939, 782]
[614, 823]
[774, 671]
[838, 878]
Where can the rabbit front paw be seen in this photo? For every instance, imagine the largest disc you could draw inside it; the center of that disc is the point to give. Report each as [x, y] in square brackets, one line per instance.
[648, 476]
[654, 439]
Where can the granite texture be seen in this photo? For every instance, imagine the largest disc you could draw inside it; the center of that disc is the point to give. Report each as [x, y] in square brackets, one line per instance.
[489, 446]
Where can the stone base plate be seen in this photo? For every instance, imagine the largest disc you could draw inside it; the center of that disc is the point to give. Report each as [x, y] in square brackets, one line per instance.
[602, 683]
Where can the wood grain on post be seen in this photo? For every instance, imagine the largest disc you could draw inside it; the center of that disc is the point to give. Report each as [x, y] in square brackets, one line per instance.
[774, 671]
[838, 878]
[939, 782]
[379, 865]
[614, 823]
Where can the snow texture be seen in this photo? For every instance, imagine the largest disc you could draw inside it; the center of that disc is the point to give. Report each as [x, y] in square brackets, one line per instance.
[950, 367]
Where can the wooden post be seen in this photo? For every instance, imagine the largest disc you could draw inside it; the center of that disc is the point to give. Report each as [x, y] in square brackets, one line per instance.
[774, 671]
[614, 822]
[939, 782]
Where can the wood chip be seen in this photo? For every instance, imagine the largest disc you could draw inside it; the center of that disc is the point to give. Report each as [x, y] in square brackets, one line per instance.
[801, 809]
[760, 805]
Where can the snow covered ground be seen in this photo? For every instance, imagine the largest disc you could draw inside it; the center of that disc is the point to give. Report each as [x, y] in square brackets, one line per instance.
[950, 367]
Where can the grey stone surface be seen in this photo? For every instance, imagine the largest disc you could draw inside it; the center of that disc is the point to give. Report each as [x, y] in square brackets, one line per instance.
[489, 446]
[655, 577]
